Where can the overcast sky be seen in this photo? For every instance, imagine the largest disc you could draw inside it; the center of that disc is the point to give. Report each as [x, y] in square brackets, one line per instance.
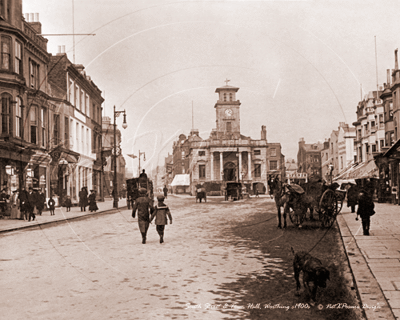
[300, 65]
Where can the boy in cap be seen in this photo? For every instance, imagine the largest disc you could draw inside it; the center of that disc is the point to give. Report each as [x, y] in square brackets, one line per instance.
[161, 211]
[144, 207]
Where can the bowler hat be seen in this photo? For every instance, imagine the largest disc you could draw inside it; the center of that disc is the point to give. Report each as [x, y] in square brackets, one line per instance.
[160, 198]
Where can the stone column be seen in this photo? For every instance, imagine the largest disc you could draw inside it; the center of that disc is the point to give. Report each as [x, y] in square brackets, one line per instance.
[249, 166]
[240, 166]
[221, 165]
[212, 165]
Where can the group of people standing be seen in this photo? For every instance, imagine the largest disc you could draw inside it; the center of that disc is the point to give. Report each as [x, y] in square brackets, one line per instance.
[85, 199]
[147, 212]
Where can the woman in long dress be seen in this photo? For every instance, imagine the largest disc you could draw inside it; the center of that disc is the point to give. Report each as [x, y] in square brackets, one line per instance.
[92, 202]
[15, 210]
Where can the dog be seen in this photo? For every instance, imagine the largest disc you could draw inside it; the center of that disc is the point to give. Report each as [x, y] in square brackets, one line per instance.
[313, 272]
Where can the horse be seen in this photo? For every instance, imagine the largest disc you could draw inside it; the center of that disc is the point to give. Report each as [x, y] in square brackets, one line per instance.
[281, 198]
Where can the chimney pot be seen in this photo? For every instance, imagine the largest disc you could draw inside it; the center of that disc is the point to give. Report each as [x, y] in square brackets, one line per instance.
[396, 63]
[36, 17]
[27, 17]
[31, 17]
[388, 76]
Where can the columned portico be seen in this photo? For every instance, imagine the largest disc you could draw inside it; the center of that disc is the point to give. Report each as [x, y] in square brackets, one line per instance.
[212, 165]
[221, 166]
[249, 166]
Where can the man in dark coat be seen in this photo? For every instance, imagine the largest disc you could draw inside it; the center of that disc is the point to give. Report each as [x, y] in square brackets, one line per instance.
[83, 199]
[365, 210]
[32, 197]
[144, 207]
[23, 203]
[41, 201]
[165, 190]
[352, 197]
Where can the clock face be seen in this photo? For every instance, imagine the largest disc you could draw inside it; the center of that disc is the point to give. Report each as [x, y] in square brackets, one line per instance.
[228, 112]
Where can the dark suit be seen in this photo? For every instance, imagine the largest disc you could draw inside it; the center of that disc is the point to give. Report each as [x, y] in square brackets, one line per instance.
[32, 199]
[144, 207]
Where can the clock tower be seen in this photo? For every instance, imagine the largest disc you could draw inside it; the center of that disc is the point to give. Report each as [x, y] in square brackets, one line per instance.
[227, 113]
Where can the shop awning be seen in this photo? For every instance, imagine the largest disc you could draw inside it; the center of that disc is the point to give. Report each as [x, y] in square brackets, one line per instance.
[41, 158]
[364, 170]
[181, 180]
[394, 151]
[345, 172]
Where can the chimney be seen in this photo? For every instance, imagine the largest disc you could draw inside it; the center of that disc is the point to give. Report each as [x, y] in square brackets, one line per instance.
[34, 22]
[396, 63]
[388, 77]
[27, 17]
[61, 50]
[263, 133]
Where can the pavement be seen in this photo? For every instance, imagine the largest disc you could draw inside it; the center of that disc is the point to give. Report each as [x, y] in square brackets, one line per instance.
[60, 215]
[374, 260]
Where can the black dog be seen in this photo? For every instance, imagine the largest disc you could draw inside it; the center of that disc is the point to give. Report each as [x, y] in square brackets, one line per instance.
[313, 271]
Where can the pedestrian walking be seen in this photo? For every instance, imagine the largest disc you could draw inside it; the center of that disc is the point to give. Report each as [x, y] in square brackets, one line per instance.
[143, 206]
[92, 202]
[31, 205]
[365, 210]
[23, 203]
[352, 197]
[165, 190]
[15, 206]
[41, 201]
[4, 197]
[161, 211]
[68, 203]
[83, 200]
[52, 205]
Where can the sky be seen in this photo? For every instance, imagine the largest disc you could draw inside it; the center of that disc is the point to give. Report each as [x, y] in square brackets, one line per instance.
[301, 66]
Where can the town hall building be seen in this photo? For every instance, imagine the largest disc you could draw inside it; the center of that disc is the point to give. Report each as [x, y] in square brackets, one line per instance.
[229, 156]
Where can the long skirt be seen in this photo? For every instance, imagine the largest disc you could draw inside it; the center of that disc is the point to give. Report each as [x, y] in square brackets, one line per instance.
[15, 213]
[143, 226]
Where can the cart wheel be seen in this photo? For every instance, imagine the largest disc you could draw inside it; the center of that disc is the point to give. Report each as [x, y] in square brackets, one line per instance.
[297, 214]
[328, 208]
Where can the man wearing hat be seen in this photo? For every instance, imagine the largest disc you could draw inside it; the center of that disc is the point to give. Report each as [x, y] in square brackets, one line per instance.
[161, 211]
[144, 207]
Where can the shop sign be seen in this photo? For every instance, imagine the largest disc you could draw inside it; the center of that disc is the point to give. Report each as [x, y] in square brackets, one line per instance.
[296, 175]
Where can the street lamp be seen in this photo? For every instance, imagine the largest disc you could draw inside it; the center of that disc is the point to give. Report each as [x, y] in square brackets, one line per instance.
[124, 125]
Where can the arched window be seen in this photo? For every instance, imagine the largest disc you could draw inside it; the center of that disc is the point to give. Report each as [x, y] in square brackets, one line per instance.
[18, 118]
[6, 120]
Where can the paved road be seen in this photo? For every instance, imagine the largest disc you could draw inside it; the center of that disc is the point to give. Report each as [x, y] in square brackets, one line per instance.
[98, 268]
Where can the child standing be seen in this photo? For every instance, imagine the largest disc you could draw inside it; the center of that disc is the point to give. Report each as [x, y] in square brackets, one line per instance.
[51, 204]
[68, 203]
[161, 212]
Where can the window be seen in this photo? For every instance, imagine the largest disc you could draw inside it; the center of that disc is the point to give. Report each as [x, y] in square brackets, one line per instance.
[98, 115]
[71, 91]
[273, 165]
[76, 97]
[273, 152]
[87, 106]
[230, 97]
[202, 171]
[87, 140]
[18, 58]
[382, 143]
[373, 147]
[5, 53]
[33, 124]
[257, 152]
[77, 137]
[224, 96]
[257, 170]
[6, 122]
[66, 132]
[82, 102]
[202, 153]
[183, 155]
[82, 139]
[18, 118]
[391, 138]
[94, 141]
[34, 74]
[56, 131]
[228, 127]
[43, 120]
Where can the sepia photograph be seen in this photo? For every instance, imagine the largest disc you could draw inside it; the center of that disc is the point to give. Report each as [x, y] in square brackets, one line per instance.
[199, 159]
